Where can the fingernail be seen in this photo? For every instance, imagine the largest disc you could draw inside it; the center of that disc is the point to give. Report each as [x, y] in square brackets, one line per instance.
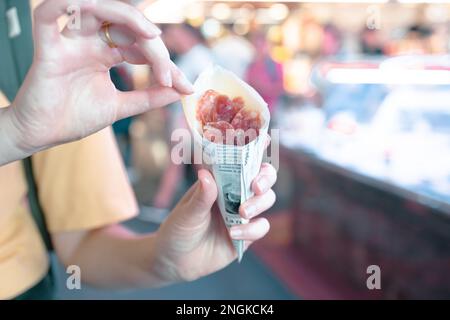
[202, 175]
[249, 211]
[167, 79]
[187, 85]
[263, 184]
[153, 31]
[156, 30]
[235, 232]
[206, 182]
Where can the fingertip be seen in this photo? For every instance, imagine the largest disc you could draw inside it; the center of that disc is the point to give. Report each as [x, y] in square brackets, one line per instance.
[242, 212]
[255, 188]
[236, 233]
[180, 82]
[267, 224]
[268, 140]
[265, 165]
[206, 180]
[264, 227]
[265, 179]
[254, 230]
[149, 35]
[153, 33]
[182, 90]
[186, 89]
[248, 211]
[149, 30]
[260, 185]
[207, 189]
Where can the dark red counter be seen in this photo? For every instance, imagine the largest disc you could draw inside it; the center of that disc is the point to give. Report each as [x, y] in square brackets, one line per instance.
[347, 221]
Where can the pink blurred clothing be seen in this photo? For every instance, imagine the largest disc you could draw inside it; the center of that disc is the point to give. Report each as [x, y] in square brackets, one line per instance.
[266, 76]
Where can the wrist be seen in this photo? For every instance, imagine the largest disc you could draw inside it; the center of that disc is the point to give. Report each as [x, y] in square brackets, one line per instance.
[157, 265]
[12, 141]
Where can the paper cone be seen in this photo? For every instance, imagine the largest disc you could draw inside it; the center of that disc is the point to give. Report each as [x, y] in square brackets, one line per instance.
[234, 167]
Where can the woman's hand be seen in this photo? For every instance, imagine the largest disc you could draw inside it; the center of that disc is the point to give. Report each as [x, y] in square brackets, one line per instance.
[194, 241]
[68, 94]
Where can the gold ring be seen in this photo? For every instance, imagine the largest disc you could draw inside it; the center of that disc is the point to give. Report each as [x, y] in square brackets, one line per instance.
[109, 40]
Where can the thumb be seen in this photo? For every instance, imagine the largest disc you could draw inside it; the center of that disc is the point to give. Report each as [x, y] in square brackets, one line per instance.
[202, 198]
[135, 102]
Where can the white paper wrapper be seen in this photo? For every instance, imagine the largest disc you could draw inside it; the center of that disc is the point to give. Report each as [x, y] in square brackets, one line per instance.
[233, 167]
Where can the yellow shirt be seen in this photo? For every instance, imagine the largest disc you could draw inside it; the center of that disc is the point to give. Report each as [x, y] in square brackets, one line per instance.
[82, 185]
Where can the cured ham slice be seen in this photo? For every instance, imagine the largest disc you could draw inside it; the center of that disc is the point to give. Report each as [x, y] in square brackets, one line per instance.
[227, 121]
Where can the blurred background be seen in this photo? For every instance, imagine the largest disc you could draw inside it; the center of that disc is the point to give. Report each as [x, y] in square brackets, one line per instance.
[360, 93]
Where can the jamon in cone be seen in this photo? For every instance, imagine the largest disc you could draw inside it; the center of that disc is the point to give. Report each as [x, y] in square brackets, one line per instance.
[220, 97]
[229, 120]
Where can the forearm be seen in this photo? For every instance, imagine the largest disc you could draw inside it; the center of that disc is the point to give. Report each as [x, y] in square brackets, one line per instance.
[11, 148]
[114, 257]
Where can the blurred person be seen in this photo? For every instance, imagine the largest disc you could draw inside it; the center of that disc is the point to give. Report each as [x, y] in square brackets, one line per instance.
[440, 39]
[265, 74]
[371, 43]
[71, 198]
[234, 52]
[311, 35]
[417, 40]
[331, 40]
[187, 43]
[191, 55]
[419, 37]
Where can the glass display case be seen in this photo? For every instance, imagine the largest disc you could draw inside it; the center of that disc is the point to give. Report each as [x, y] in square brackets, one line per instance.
[371, 170]
[386, 121]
